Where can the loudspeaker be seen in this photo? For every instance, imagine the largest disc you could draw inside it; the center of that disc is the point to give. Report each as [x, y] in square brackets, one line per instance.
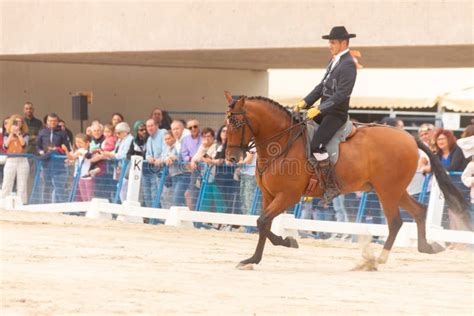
[79, 107]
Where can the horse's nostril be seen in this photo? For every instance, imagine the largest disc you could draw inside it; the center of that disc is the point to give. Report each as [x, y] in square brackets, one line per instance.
[232, 159]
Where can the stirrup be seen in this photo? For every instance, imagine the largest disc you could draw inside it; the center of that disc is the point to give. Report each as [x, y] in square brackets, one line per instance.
[328, 183]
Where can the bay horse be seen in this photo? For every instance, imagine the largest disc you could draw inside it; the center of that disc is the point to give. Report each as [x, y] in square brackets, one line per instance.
[377, 158]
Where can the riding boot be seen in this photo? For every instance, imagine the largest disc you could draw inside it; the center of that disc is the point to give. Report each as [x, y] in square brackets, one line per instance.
[327, 182]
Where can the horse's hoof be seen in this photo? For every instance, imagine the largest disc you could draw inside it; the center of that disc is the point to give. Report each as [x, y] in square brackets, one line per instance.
[367, 265]
[437, 247]
[245, 266]
[293, 242]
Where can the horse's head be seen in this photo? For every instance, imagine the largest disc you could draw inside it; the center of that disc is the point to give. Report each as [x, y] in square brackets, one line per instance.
[239, 130]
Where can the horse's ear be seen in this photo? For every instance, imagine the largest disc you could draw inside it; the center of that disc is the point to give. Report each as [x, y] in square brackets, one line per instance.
[228, 97]
[240, 102]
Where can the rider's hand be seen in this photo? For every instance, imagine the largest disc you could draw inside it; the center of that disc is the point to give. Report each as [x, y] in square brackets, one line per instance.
[301, 104]
[312, 112]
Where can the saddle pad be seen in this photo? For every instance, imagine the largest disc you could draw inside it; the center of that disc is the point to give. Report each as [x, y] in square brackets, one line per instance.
[333, 146]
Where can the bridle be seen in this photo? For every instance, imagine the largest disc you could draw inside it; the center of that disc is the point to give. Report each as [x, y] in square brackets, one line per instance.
[242, 123]
[236, 124]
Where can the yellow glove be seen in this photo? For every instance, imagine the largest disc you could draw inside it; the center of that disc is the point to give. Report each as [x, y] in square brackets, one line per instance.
[301, 104]
[312, 112]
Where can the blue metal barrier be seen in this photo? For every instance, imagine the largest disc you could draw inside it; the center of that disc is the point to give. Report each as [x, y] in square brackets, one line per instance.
[216, 188]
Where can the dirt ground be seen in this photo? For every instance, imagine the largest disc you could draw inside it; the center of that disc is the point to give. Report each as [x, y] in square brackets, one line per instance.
[58, 264]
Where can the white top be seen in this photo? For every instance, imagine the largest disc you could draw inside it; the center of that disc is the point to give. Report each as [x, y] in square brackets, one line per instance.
[337, 57]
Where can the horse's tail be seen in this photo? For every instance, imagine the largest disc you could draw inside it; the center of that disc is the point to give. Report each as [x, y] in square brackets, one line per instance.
[452, 195]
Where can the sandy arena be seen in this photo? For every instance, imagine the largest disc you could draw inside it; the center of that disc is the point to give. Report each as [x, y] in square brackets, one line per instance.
[57, 264]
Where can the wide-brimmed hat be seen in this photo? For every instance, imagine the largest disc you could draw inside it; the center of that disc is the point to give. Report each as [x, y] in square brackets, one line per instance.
[338, 32]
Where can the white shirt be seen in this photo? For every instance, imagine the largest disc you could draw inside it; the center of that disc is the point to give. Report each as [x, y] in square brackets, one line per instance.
[337, 57]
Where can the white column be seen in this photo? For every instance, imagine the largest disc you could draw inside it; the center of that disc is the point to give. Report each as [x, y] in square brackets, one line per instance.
[133, 189]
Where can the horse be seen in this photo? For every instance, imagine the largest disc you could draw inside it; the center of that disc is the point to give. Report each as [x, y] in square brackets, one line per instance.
[379, 158]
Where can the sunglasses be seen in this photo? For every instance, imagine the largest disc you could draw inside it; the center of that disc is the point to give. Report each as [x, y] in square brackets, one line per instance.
[141, 129]
[194, 126]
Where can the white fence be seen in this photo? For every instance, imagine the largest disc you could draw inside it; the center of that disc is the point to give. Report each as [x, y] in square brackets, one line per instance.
[284, 224]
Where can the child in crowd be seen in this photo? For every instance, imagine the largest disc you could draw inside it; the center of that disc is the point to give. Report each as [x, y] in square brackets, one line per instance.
[82, 156]
[110, 139]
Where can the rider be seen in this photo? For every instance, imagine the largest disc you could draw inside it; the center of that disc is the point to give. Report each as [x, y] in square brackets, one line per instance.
[334, 90]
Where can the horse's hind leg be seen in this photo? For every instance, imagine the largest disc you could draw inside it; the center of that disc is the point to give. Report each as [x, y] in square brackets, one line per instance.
[418, 212]
[394, 221]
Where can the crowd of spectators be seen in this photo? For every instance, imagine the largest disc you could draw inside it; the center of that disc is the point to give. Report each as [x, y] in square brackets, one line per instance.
[99, 158]
[185, 149]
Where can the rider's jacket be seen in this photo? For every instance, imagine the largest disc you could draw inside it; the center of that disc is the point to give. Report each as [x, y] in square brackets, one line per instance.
[335, 88]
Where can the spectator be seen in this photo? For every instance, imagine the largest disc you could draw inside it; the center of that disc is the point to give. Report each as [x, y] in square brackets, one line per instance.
[170, 157]
[15, 141]
[3, 159]
[155, 146]
[340, 214]
[104, 182]
[62, 125]
[206, 153]
[110, 139]
[116, 118]
[181, 178]
[449, 153]
[467, 177]
[248, 183]
[189, 147]
[53, 141]
[124, 140]
[82, 157]
[166, 121]
[179, 132]
[452, 158]
[97, 132]
[34, 126]
[138, 146]
[225, 173]
[161, 118]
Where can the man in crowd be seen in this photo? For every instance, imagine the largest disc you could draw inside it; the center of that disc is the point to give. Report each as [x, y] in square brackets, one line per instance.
[51, 141]
[155, 146]
[34, 126]
[189, 146]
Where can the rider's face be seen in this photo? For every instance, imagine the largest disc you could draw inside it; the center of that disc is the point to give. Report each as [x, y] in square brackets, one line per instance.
[337, 46]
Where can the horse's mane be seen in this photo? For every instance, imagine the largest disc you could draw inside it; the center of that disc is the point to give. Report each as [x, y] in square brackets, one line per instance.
[270, 102]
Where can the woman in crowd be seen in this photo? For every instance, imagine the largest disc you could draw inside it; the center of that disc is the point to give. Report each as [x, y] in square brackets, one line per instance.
[138, 146]
[206, 153]
[124, 140]
[448, 151]
[83, 166]
[15, 141]
[225, 173]
[452, 158]
[116, 118]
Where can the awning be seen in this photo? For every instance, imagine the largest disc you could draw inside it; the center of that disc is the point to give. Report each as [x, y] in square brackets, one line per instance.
[383, 88]
[459, 101]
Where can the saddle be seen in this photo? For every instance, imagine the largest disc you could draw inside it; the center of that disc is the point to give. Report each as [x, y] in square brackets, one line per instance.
[332, 148]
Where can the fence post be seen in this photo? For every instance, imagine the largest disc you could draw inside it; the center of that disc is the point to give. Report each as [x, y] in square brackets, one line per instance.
[120, 182]
[202, 191]
[75, 182]
[36, 180]
[133, 189]
[424, 188]
[361, 210]
[157, 200]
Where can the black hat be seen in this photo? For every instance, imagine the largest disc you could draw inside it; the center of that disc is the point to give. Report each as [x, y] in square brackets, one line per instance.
[338, 32]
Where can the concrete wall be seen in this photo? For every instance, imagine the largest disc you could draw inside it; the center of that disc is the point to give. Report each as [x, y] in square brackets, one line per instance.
[133, 91]
[31, 27]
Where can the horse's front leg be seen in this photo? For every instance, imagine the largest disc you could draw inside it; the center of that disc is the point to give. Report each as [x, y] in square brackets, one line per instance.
[264, 222]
